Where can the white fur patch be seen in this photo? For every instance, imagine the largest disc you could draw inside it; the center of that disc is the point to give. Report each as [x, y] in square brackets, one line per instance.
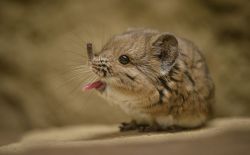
[190, 122]
[128, 105]
[165, 121]
[142, 118]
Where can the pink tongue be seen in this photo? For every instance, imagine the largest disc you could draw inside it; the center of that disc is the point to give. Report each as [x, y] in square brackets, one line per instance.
[95, 85]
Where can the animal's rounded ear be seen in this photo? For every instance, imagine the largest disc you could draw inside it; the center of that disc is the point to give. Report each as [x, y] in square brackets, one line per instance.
[165, 47]
[166, 39]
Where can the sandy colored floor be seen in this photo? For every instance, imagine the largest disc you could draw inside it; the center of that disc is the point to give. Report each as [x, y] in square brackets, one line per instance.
[221, 136]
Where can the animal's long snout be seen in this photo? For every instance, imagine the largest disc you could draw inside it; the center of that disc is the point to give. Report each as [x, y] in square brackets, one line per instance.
[90, 51]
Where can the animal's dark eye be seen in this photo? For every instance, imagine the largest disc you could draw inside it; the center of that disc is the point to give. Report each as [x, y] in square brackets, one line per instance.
[123, 59]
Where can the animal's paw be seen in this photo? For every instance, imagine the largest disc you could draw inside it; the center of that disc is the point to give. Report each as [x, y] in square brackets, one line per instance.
[148, 128]
[128, 126]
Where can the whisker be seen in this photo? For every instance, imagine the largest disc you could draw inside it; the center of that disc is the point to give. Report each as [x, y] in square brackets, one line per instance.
[75, 76]
[90, 80]
[81, 70]
[81, 83]
[81, 67]
[76, 69]
[77, 65]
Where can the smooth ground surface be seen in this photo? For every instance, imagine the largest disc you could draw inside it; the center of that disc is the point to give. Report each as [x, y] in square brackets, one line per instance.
[221, 136]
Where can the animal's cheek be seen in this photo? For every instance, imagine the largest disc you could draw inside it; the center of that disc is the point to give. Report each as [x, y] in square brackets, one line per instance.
[118, 69]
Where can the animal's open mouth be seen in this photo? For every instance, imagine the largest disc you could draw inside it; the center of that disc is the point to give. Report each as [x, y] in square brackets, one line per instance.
[99, 85]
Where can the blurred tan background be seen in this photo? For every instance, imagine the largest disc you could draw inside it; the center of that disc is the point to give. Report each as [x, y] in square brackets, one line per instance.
[41, 41]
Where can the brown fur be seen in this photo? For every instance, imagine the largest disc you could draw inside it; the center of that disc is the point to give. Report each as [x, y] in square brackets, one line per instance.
[166, 83]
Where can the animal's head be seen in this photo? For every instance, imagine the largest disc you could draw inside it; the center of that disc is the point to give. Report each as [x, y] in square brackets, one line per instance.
[133, 60]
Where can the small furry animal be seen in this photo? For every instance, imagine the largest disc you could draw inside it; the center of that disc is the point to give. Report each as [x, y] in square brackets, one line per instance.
[160, 80]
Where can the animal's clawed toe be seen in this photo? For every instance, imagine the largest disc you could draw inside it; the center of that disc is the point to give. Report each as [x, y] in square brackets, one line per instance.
[148, 128]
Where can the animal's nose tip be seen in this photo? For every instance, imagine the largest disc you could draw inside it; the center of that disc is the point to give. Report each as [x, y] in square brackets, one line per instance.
[100, 70]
